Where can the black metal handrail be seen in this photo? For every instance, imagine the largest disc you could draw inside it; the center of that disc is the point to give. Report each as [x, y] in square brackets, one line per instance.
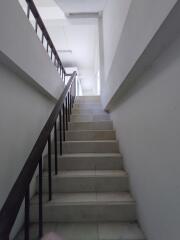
[39, 23]
[20, 190]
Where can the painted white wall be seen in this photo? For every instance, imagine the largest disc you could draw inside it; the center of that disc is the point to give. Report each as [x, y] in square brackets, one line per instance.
[147, 125]
[24, 111]
[114, 16]
[80, 36]
[143, 20]
[76, 6]
[26, 53]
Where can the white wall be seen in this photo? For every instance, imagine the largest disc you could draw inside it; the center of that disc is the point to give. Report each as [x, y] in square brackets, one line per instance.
[147, 125]
[143, 20]
[22, 47]
[24, 111]
[114, 16]
[29, 86]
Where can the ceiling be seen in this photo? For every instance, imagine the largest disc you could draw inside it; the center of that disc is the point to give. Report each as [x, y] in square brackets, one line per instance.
[81, 5]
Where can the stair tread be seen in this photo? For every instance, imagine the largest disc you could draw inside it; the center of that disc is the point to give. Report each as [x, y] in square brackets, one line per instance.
[90, 231]
[91, 130]
[86, 114]
[90, 122]
[86, 199]
[91, 141]
[92, 155]
[89, 173]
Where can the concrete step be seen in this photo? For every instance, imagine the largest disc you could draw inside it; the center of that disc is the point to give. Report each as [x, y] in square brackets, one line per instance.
[87, 99]
[91, 135]
[103, 146]
[88, 161]
[88, 111]
[87, 105]
[87, 181]
[89, 117]
[102, 125]
[85, 207]
[88, 231]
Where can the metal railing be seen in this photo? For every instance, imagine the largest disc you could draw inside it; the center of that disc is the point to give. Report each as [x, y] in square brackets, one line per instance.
[58, 124]
[50, 48]
[60, 116]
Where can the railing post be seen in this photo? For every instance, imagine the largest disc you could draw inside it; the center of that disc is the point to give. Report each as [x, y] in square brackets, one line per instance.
[28, 10]
[55, 148]
[66, 114]
[74, 87]
[51, 54]
[40, 200]
[64, 134]
[49, 168]
[42, 39]
[69, 104]
[60, 132]
[36, 26]
[64, 77]
[27, 204]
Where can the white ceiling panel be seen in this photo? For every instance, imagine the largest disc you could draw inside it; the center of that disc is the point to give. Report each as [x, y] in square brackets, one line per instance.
[81, 5]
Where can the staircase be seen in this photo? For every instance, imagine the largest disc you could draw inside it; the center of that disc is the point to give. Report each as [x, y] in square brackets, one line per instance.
[91, 198]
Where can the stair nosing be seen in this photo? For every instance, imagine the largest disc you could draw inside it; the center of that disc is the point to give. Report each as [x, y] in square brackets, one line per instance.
[88, 174]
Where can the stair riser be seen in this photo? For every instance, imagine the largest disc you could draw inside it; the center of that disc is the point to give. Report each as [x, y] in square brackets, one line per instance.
[90, 147]
[87, 163]
[88, 111]
[107, 125]
[87, 106]
[85, 99]
[90, 135]
[86, 184]
[85, 213]
[89, 118]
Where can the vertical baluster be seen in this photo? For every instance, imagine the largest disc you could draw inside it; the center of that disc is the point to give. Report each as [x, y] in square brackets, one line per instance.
[47, 47]
[60, 132]
[49, 168]
[28, 10]
[74, 87]
[71, 98]
[27, 202]
[69, 106]
[55, 148]
[51, 54]
[62, 75]
[64, 134]
[60, 70]
[73, 93]
[67, 102]
[66, 114]
[42, 39]
[36, 26]
[40, 200]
